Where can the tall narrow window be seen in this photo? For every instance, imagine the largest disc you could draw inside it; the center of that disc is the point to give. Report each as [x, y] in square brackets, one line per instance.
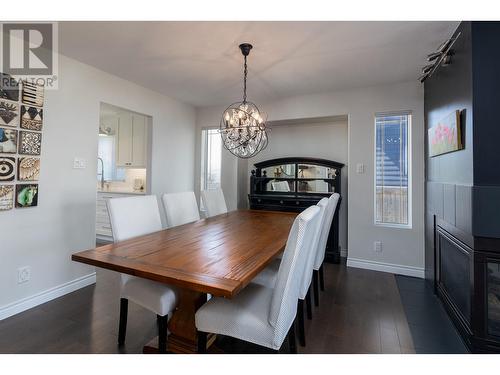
[392, 165]
[211, 149]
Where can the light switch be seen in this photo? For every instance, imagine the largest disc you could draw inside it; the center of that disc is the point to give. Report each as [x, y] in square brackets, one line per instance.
[79, 163]
[360, 168]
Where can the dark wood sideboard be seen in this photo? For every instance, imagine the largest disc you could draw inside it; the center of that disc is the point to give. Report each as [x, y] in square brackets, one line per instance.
[295, 183]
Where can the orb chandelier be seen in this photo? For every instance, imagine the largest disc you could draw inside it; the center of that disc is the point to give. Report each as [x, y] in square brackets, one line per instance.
[243, 126]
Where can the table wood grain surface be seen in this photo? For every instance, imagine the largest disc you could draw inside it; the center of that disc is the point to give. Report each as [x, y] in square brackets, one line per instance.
[218, 255]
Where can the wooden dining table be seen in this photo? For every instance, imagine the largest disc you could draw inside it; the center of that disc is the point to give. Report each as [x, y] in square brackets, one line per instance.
[218, 256]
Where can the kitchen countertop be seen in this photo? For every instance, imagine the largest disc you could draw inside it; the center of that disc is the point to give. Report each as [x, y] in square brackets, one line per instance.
[121, 191]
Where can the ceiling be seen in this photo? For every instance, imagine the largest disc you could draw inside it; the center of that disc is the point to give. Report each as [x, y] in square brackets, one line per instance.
[200, 63]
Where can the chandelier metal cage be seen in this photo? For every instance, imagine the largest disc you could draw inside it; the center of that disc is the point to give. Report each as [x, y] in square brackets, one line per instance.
[243, 126]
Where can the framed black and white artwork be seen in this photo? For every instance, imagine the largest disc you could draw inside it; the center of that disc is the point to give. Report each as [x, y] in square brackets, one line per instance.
[7, 168]
[6, 197]
[32, 94]
[28, 169]
[21, 125]
[30, 143]
[9, 113]
[31, 118]
[8, 141]
[9, 87]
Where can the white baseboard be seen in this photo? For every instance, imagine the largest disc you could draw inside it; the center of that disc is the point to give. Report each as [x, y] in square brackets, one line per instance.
[46, 296]
[386, 267]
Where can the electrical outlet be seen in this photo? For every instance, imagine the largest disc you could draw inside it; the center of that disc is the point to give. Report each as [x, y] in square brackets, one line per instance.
[79, 163]
[23, 274]
[377, 246]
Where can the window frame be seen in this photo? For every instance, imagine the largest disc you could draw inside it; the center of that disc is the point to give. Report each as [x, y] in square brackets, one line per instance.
[409, 225]
[204, 161]
[115, 174]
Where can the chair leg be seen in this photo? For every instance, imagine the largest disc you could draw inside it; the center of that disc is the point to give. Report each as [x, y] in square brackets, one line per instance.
[292, 345]
[316, 288]
[162, 333]
[309, 304]
[300, 321]
[202, 342]
[321, 278]
[122, 330]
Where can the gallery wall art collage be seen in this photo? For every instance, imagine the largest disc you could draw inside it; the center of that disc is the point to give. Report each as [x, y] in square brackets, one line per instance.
[21, 122]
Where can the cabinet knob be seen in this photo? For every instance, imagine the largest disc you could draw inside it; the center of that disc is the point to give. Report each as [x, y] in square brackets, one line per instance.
[281, 202]
[259, 200]
[297, 202]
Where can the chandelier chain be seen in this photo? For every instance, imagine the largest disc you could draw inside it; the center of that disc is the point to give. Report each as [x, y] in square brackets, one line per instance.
[245, 73]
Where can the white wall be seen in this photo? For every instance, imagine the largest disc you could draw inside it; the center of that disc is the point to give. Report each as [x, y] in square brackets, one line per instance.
[321, 140]
[403, 249]
[64, 221]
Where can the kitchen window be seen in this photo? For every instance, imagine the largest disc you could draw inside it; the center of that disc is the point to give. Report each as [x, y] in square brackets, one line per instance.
[393, 169]
[106, 152]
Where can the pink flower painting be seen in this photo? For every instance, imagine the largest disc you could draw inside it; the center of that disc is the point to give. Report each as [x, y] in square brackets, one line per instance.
[445, 136]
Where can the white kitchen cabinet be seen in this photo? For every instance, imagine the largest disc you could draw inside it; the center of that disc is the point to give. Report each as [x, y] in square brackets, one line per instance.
[124, 141]
[102, 222]
[139, 141]
[131, 150]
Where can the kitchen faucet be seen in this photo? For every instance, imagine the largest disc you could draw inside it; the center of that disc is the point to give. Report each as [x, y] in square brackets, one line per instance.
[102, 173]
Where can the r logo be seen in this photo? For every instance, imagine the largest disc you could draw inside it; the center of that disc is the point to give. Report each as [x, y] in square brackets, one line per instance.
[27, 49]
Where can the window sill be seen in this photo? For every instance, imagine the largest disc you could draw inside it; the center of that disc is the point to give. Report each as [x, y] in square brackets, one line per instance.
[394, 226]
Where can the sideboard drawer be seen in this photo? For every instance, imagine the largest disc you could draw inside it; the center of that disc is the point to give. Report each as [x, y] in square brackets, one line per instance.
[283, 202]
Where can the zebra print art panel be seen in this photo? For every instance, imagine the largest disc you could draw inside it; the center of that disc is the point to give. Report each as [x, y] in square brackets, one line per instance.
[32, 94]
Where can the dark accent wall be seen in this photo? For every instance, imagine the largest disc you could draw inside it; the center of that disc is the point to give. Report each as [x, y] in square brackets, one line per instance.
[449, 177]
[462, 208]
[463, 187]
[449, 89]
[486, 107]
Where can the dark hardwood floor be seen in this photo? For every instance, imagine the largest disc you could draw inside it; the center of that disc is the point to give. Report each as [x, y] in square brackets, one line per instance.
[360, 312]
[431, 328]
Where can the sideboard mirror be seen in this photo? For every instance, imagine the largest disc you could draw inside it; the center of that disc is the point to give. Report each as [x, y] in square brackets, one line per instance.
[293, 184]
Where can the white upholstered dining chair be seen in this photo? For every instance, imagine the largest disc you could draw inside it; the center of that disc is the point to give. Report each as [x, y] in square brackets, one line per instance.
[259, 314]
[214, 202]
[132, 217]
[323, 238]
[180, 208]
[268, 277]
